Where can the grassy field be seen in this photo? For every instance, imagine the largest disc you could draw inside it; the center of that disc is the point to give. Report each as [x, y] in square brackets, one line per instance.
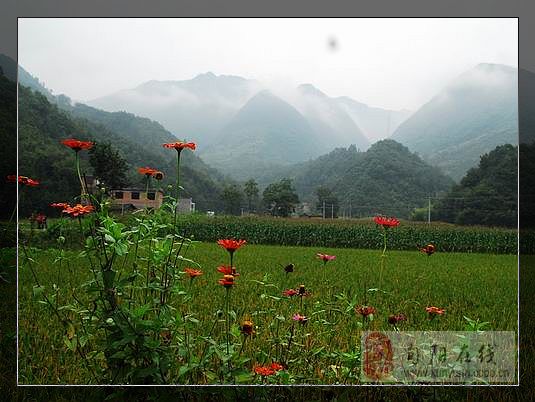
[325, 350]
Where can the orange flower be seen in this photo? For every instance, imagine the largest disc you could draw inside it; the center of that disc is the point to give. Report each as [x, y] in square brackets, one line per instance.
[78, 210]
[147, 171]
[179, 145]
[22, 180]
[227, 281]
[429, 249]
[264, 370]
[365, 311]
[276, 366]
[193, 273]
[77, 145]
[231, 245]
[227, 270]
[247, 328]
[386, 222]
[434, 311]
[62, 205]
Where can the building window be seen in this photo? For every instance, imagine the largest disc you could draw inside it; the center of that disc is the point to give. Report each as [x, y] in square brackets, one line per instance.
[119, 194]
[135, 195]
[151, 196]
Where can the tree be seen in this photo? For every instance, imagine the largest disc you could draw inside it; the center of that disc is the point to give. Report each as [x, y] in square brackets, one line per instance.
[280, 198]
[232, 198]
[329, 200]
[487, 194]
[109, 167]
[251, 191]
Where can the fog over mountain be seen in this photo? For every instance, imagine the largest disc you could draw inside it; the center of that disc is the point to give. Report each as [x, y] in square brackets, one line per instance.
[470, 117]
[196, 108]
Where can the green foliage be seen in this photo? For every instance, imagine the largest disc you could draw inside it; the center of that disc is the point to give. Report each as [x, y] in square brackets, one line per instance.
[280, 198]
[43, 125]
[487, 195]
[386, 179]
[108, 165]
[250, 189]
[327, 200]
[8, 138]
[232, 197]
[357, 234]
[331, 337]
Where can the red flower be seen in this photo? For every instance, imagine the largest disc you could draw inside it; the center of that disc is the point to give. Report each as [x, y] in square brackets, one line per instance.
[62, 205]
[78, 210]
[301, 319]
[386, 222]
[193, 273]
[326, 257]
[365, 311]
[227, 270]
[147, 171]
[276, 366]
[394, 319]
[231, 245]
[227, 281]
[429, 249]
[264, 370]
[434, 311]
[22, 180]
[77, 145]
[179, 145]
[290, 292]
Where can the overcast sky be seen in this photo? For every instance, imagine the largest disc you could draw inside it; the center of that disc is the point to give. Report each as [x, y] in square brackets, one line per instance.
[391, 63]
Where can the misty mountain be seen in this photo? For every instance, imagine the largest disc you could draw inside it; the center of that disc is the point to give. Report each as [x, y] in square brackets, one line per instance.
[197, 109]
[469, 118]
[330, 122]
[387, 178]
[375, 123]
[267, 132]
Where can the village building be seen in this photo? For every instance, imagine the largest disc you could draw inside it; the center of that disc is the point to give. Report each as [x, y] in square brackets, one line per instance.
[135, 198]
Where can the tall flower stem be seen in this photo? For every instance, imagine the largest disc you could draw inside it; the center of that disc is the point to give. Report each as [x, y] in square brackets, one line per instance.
[178, 152]
[147, 186]
[227, 317]
[83, 195]
[383, 256]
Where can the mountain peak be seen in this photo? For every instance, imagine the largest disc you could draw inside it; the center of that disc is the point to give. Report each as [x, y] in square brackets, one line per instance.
[205, 76]
[310, 89]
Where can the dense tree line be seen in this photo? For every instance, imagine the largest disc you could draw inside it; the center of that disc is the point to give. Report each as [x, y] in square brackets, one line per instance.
[487, 194]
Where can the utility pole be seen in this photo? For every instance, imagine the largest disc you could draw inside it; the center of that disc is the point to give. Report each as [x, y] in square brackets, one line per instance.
[349, 209]
[428, 209]
[323, 209]
[332, 211]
